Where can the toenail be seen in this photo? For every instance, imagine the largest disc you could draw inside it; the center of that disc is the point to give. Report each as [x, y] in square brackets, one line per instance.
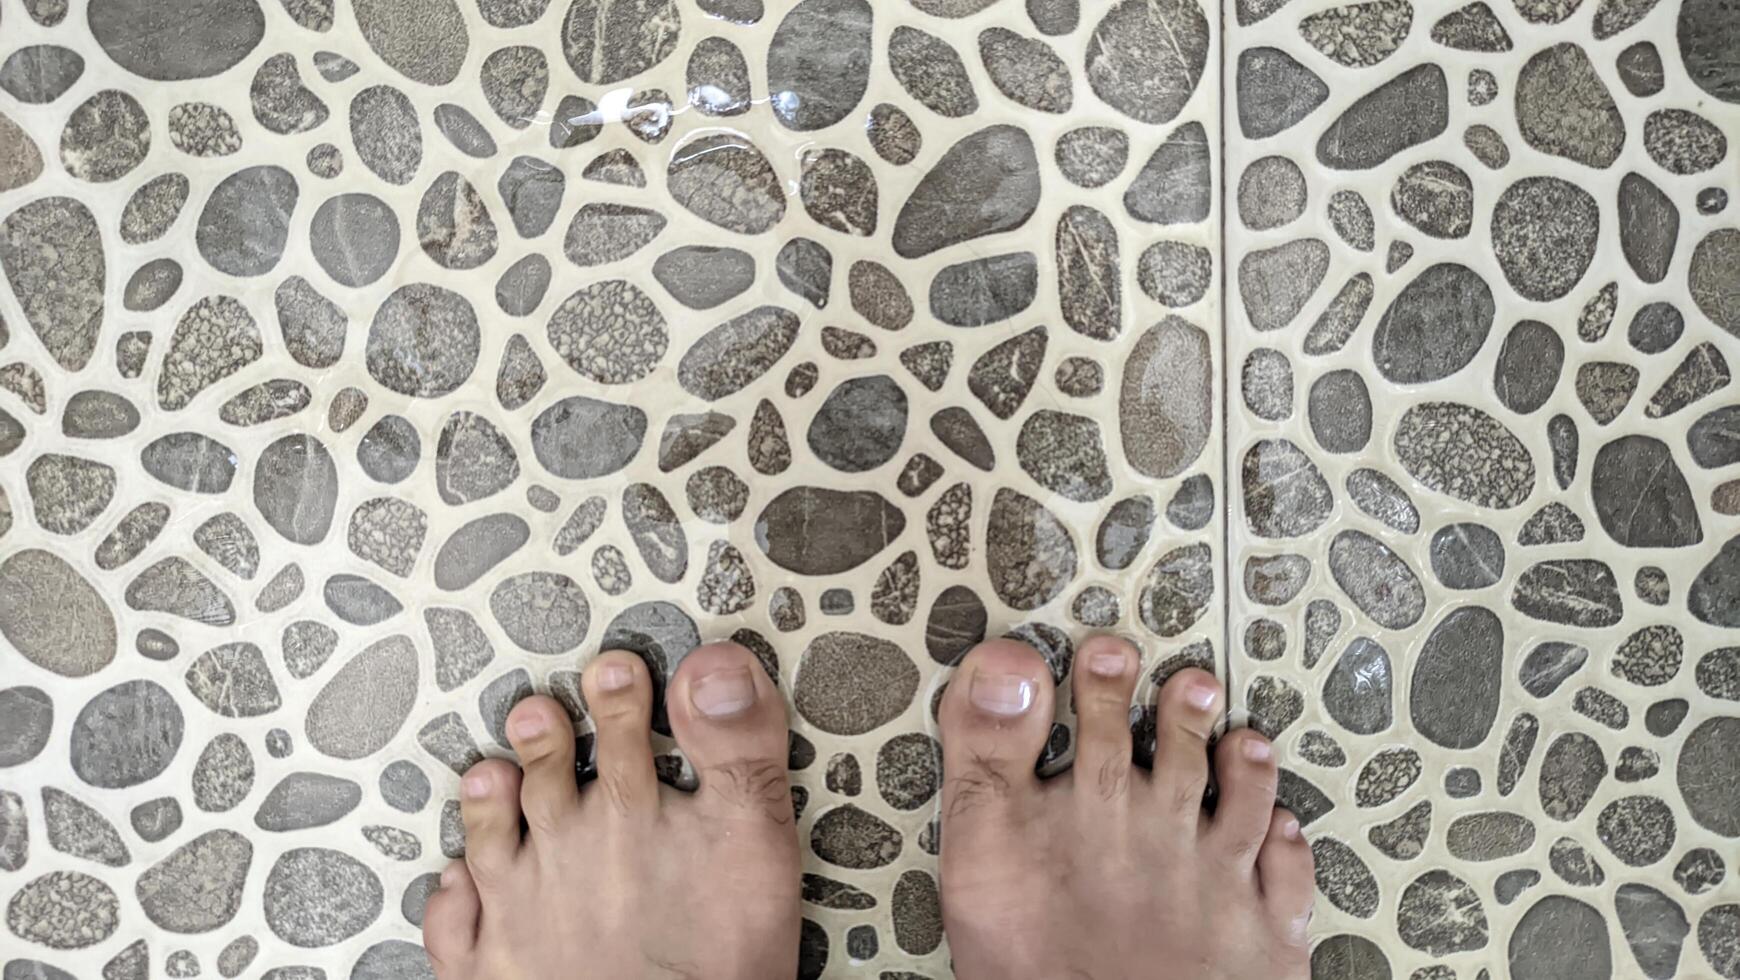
[449, 876]
[1001, 694]
[1257, 750]
[614, 676]
[1107, 664]
[530, 725]
[1201, 696]
[476, 785]
[1290, 828]
[723, 693]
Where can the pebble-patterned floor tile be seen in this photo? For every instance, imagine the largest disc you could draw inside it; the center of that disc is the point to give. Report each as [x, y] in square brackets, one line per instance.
[366, 366]
[1486, 563]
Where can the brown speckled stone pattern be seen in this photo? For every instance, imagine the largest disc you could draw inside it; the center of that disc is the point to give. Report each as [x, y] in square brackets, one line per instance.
[365, 367]
[1486, 568]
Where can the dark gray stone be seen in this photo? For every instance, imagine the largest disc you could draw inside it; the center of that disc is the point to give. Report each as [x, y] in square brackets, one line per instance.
[1560, 936]
[1358, 691]
[1435, 197]
[1164, 405]
[355, 238]
[1407, 110]
[306, 799]
[732, 355]
[426, 43]
[1030, 555]
[1544, 232]
[423, 341]
[818, 63]
[318, 897]
[1458, 679]
[363, 705]
[984, 184]
[1649, 227]
[1467, 556]
[1528, 366]
[454, 225]
[931, 71]
[1275, 92]
[541, 612]
[703, 276]
[196, 41]
[40, 73]
[860, 425]
[582, 438]
[1705, 773]
[1271, 193]
[1092, 156]
[462, 129]
[1339, 408]
[1176, 184]
[1285, 494]
[1563, 108]
[1275, 283]
[1146, 57]
[1030, 73]
[850, 683]
[987, 290]
[1640, 496]
[1376, 579]
[1435, 326]
[385, 131]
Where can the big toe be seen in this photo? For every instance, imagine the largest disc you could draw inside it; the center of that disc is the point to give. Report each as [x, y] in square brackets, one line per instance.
[729, 720]
[995, 718]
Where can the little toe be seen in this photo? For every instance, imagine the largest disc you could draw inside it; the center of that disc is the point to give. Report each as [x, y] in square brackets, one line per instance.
[489, 802]
[1105, 679]
[543, 735]
[730, 722]
[995, 718]
[619, 693]
[1189, 706]
[450, 923]
[1285, 868]
[1244, 765]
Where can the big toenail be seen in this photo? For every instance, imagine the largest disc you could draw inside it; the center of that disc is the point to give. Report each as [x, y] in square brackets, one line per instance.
[1001, 694]
[1290, 829]
[1201, 696]
[529, 725]
[723, 693]
[476, 785]
[614, 676]
[1107, 664]
[1257, 750]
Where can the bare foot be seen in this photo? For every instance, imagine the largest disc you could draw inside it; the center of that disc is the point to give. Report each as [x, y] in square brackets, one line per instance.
[1109, 871]
[627, 877]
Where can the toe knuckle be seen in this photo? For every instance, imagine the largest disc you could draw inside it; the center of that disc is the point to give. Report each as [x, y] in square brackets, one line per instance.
[981, 781]
[754, 785]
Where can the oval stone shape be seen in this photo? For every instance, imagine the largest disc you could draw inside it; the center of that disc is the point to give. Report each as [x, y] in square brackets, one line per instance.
[818, 531]
[1458, 677]
[52, 615]
[363, 706]
[851, 683]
